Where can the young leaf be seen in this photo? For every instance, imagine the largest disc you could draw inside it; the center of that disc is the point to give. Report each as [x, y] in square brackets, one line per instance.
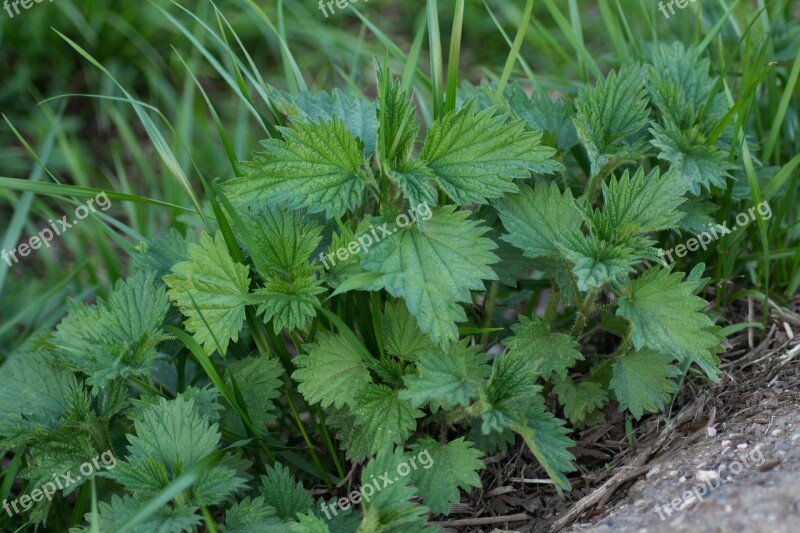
[547, 438]
[580, 400]
[607, 114]
[401, 334]
[258, 379]
[542, 113]
[283, 493]
[331, 372]
[389, 509]
[382, 418]
[454, 466]
[171, 437]
[434, 269]
[358, 114]
[117, 338]
[645, 204]
[398, 129]
[537, 220]
[250, 516]
[477, 156]
[317, 166]
[449, 377]
[550, 354]
[208, 289]
[643, 380]
[667, 316]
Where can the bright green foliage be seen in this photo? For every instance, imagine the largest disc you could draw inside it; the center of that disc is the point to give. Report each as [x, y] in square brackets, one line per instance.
[281, 492]
[477, 156]
[434, 269]
[160, 253]
[416, 180]
[643, 204]
[538, 219]
[316, 166]
[308, 523]
[643, 381]
[510, 385]
[665, 315]
[284, 243]
[580, 400]
[390, 510]
[608, 114]
[550, 354]
[447, 377]
[209, 290]
[172, 437]
[398, 128]
[332, 372]
[454, 466]
[117, 338]
[546, 437]
[382, 418]
[597, 262]
[699, 164]
[250, 516]
[165, 520]
[542, 113]
[356, 113]
[401, 334]
[259, 381]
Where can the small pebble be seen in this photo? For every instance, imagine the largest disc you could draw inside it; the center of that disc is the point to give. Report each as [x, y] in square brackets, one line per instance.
[742, 446]
[711, 431]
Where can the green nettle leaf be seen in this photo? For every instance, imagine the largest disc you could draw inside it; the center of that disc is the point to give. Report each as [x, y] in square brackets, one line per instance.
[171, 437]
[608, 114]
[477, 156]
[357, 113]
[209, 289]
[538, 219]
[331, 372]
[316, 166]
[551, 354]
[400, 332]
[160, 253]
[398, 127]
[666, 315]
[112, 516]
[682, 72]
[416, 182]
[434, 269]
[284, 241]
[452, 467]
[382, 418]
[259, 381]
[250, 516]
[511, 384]
[448, 377]
[389, 508]
[547, 438]
[643, 381]
[699, 164]
[597, 262]
[580, 400]
[308, 523]
[283, 493]
[645, 204]
[543, 114]
[116, 338]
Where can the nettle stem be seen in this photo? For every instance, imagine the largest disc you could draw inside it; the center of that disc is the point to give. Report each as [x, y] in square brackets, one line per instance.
[585, 310]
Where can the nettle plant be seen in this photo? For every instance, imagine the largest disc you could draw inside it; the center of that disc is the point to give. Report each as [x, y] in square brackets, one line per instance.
[232, 364]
